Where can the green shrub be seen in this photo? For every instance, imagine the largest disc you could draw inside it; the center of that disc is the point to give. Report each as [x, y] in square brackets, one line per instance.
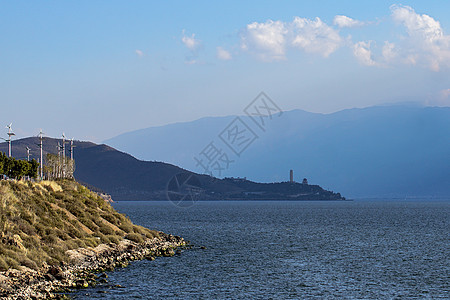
[115, 239]
[135, 237]
[56, 253]
[145, 231]
[3, 265]
[91, 241]
[74, 231]
[50, 238]
[25, 227]
[29, 263]
[104, 239]
[105, 229]
[80, 243]
[127, 227]
[30, 242]
[88, 223]
[119, 217]
[91, 203]
[62, 235]
[37, 255]
[111, 218]
[12, 263]
[151, 234]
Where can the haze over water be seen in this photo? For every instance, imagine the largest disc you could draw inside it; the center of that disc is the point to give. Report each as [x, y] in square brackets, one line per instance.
[291, 250]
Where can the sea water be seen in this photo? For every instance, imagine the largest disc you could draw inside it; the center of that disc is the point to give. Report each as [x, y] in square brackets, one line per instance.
[290, 250]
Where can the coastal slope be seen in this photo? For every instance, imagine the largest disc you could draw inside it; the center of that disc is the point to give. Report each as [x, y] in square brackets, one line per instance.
[63, 225]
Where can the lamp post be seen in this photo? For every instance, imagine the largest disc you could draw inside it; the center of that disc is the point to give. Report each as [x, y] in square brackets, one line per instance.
[10, 134]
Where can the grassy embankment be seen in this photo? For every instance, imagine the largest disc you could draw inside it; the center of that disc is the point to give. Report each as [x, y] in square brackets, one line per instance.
[40, 221]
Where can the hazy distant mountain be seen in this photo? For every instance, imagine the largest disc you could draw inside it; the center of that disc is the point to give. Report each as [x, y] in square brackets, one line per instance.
[399, 151]
[127, 178]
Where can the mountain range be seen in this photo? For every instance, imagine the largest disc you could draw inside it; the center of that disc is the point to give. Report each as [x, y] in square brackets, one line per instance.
[383, 151]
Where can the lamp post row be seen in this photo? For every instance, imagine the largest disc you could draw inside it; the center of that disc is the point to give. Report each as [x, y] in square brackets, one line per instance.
[41, 138]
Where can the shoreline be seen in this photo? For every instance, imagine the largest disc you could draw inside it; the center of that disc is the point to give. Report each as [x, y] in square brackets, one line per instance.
[52, 282]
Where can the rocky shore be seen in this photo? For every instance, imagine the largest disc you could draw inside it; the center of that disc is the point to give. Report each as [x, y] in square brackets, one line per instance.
[86, 267]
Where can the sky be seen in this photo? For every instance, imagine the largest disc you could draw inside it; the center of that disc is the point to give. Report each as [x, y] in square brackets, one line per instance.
[95, 69]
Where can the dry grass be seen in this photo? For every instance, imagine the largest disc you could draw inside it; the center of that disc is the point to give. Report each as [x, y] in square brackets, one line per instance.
[39, 222]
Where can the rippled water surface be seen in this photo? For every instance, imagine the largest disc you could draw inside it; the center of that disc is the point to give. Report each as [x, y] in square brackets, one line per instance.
[291, 250]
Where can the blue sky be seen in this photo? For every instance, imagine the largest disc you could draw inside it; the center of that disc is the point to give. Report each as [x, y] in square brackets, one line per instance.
[94, 69]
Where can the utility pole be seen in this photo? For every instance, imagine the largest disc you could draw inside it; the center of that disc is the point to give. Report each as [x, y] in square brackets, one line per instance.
[10, 133]
[59, 165]
[63, 156]
[41, 134]
[28, 154]
[63, 146]
[71, 149]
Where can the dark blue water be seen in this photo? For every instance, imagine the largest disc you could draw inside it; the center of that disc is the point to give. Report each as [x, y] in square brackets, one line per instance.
[291, 250]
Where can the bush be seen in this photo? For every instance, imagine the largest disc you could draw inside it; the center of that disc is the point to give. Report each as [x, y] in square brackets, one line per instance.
[74, 232]
[3, 265]
[105, 229]
[29, 264]
[56, 253]
[37, 255]
[12, 263]
[110, 218]
[25, 227]
[91, 241]
[144, 231]
[31, 242]
[80, 243]
[115, 239]
[127, 227]
[135, 237]
[50, 238]
[151, 234]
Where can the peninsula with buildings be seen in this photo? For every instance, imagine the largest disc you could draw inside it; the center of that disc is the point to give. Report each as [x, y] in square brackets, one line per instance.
[107, 170]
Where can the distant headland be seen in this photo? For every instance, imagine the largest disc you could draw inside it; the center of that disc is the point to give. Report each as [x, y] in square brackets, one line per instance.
[105, 169]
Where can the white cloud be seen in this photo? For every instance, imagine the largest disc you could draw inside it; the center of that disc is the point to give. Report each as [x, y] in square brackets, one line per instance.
[422, 26]
[267, 40]
[139, 53]
[223, 54]
[193, 45]
[190, 41]
[426, 41]
[363, 53]
[344, 21]
[270, 40]
[424, 44]
[389, 51]
[314, 36]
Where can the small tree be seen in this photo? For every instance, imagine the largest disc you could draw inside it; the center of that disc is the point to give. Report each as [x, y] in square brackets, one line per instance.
[58, 167]
[34, 167]
[2, 162]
